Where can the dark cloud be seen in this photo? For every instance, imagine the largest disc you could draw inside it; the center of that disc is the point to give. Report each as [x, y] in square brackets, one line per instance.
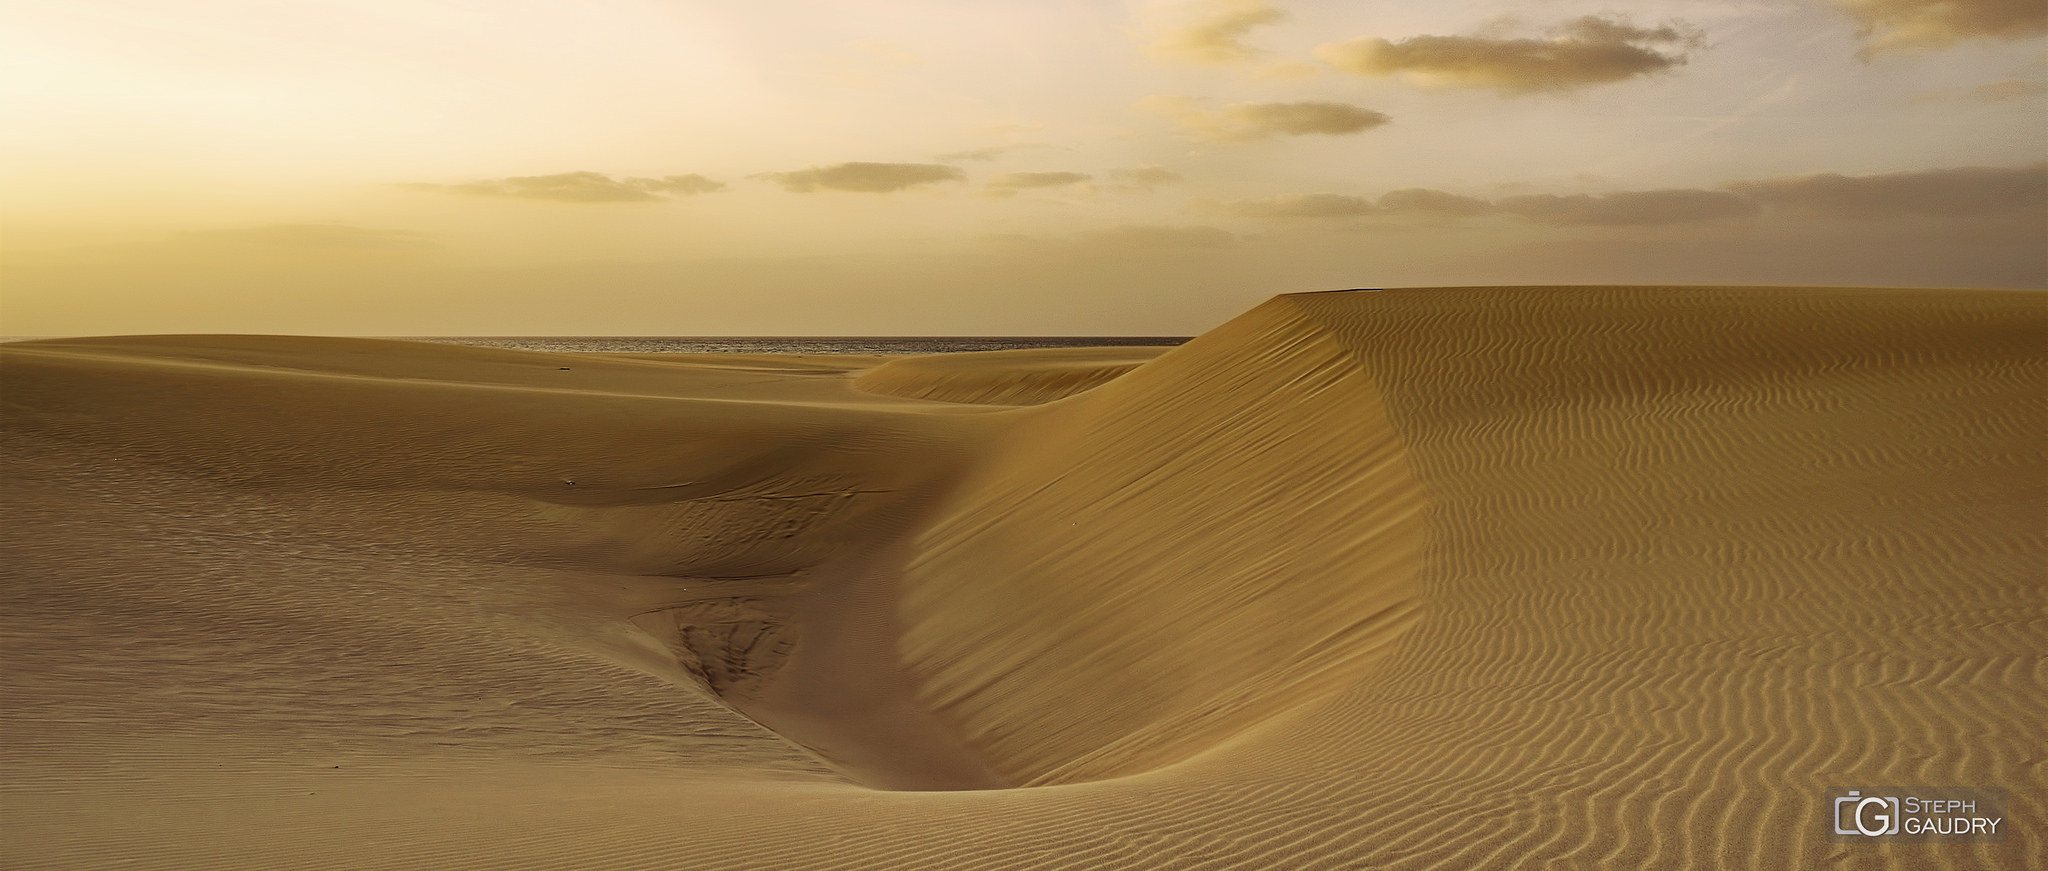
[1588, 51]
[1970, 190]
[1915, 24]
[1211, 31]
[864, 177]
[1023, 180]
[582, 187]
[1625, 208]
[1250, 121]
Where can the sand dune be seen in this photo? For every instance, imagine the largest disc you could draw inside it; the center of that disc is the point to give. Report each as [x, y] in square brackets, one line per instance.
[1448, 578]
[1023, 377]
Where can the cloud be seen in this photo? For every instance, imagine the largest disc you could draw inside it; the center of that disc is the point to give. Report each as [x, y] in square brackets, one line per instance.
[1250, 121]
[1588, 51]
[1211, 31]
[864, 177]
[1892, 25]
[1022, 180]
[1407, 203]
[582, 187]
[1424, 201]
[1301, 206]
[1631, 208]
[1961, 191]
[322, 237]
[1139, 179]
[1145, 174]
[1958, 192]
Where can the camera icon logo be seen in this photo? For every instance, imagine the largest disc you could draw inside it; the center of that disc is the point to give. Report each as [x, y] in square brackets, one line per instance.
[1869, 815]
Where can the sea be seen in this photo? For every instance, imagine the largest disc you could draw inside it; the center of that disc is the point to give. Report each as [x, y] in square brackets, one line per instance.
[793, 344]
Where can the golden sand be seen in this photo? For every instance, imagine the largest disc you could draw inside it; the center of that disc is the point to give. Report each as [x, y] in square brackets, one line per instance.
[1603, 577]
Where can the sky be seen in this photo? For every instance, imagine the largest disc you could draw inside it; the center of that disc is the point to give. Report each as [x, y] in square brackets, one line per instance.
[994, 167]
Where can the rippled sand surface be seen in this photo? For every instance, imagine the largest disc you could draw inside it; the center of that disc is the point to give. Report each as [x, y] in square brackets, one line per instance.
[1615, 577]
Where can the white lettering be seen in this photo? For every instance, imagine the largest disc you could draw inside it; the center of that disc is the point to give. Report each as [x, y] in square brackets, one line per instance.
[1884, 821]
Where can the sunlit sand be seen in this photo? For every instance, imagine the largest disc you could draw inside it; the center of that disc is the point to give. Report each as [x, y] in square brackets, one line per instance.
[1447, 578]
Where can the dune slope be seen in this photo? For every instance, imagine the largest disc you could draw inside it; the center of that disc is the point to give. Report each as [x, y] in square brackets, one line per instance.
[1135, 573]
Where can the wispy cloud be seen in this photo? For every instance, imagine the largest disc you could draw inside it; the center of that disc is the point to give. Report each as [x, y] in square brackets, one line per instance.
[1895, 25]
[1300, 206]
[1240, 122]
[1631, 208]
[1970, 190]
[1434, 203]
[1404, 203]
[864, 177]
[989, 153]
[1024, 180]
[1210, 31]
[1621, 208]
[1009, 183]
[581, 187]
[1144, 176]
[1954, 192]
[1588, 51]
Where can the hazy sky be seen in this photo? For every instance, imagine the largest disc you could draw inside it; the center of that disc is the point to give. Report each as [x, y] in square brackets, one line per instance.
[905, 167]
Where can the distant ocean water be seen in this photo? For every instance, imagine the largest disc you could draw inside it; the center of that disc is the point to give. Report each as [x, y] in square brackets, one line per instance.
[793, 344]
